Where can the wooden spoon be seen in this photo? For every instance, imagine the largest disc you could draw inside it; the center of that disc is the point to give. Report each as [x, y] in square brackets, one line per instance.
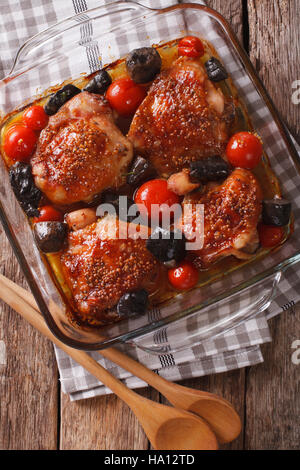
[167, 428]
[219, 413]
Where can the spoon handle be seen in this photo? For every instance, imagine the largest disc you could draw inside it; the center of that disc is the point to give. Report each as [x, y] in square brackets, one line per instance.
[124, 361]
[28, 311]
[155, 418]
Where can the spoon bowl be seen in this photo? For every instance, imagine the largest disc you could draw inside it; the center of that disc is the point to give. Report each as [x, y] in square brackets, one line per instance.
[174, 429]
[190, 432]
[219, 413]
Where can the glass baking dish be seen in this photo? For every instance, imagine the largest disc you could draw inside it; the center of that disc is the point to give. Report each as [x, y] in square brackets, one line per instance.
[80, 45]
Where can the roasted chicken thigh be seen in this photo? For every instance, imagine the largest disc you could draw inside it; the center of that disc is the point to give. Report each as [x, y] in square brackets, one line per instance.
[184, 117]
[99, 267]
[231, 214]
[81, 152]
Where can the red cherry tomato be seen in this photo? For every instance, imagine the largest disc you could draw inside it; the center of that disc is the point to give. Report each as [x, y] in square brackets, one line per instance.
[48, 213]
[19, 142]
[125, 96]
[270, 236]
[184, 277]
[35, 118]
[154, 192]
[191, 46]
[244, 150]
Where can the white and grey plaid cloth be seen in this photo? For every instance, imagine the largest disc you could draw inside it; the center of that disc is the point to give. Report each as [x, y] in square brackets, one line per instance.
[21, 19]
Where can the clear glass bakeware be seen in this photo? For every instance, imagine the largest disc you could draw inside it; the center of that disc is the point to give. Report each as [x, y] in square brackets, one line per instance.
[80, 45]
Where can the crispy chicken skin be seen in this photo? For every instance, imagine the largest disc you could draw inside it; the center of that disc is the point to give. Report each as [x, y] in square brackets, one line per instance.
[99, 267]
[81, 151]
[183, 118]
[231, 215]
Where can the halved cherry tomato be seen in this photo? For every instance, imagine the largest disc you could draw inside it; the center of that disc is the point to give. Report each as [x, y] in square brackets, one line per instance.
[244, 150]
[155, 192]
[35, 117]
[125, 96]
[19, 142]
[47, 214]
[191, 46]
[270, 236]
[183, 277]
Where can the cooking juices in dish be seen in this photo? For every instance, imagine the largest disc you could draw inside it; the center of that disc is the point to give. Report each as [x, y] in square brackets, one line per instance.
[165, 127]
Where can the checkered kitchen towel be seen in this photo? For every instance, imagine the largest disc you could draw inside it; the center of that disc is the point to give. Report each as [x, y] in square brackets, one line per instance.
[21, 19]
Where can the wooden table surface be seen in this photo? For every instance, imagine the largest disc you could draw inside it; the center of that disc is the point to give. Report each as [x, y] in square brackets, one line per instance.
[34, 414]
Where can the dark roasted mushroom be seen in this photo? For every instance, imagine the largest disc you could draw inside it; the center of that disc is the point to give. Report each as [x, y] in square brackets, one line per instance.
[140, 170]
[133, 303]
[143, 64]
[23, 186]
[50, 236]
[215, 70]
[166, 245]
[276, 212]
[209, 169]
[60, 97]
[99, 83]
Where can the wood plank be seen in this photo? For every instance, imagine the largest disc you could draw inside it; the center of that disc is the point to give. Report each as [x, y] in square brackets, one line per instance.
[102, 423]
[232, 12]
[28, 375]
[274, 51]
[273, 393]
[273, 399]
